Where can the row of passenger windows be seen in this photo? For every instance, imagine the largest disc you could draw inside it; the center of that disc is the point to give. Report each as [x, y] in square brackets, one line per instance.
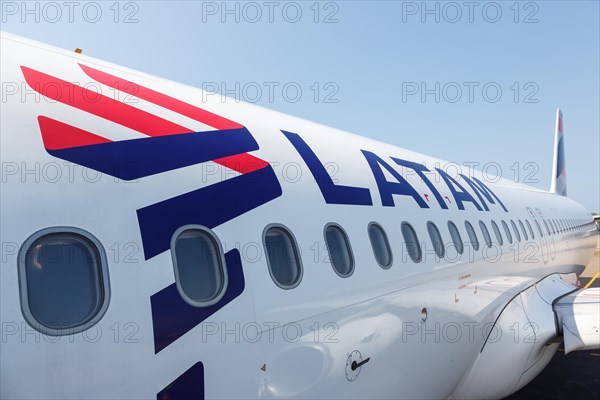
[64, 282]
[285, 264]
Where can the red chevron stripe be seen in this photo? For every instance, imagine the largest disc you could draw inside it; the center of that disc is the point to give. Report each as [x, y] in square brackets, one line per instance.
[161, 99]
[100, 105]
[57, 135]
[242, 163]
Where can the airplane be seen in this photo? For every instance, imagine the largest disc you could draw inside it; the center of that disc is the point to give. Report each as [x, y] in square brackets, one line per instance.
[158, 242]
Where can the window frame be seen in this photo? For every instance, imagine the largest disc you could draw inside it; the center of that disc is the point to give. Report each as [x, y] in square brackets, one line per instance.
[507, 232]
[418, 243]
[487, 238]
[523, 230]
[516, 232]
[296, 252]
[386, 241]
[102, 273]
[461, 242]
[439, 234]
[348, 246]
[497, 233]
[471, 230]
[221, 257]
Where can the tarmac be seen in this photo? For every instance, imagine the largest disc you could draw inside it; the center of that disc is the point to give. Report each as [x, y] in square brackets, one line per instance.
[576, 375]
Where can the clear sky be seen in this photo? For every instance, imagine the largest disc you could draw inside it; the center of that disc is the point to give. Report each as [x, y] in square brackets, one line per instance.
[464, 81]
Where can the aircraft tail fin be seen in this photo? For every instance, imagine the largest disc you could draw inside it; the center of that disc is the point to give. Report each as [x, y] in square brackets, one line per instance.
[559, 176]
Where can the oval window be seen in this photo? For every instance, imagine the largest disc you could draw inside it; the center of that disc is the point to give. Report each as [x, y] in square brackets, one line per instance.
[472, 235]
[340, 253]
[436, 239]
[199, 266]
[455, 235]
[497, 233]
[546, 225]
[530, 229]
[539, 228]
[515, 230]
[523, 230]
[507, 231]
[412, 242]
[283, 257]
[64, 281]
[380, 245]
[486, 234]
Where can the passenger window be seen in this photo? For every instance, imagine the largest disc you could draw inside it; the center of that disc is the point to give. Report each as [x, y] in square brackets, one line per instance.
[523, 230]
[199, 266]
[283, 258]
[64, 281]
[340, 253]
[455, 235]
[546, 225]
[539, 228]
[413, 247]
[530, 229]
[507, 232]
[472, 235]
[516, 230]
[436, 239]
[497, 233]
[380, 245]
[486, 234]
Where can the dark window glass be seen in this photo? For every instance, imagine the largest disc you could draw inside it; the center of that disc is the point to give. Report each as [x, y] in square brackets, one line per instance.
[486, 234]
[455, 235]
[283, 257]
[199, 268]
[507, 232]
[516, 230]
[497, 233]
[411, 241]
[436, 239]
[530, 229]
[539, 228]
[472, 235]
[546, 225]
[523, 230]
[340, 253]
[65, 285]
[381, 245]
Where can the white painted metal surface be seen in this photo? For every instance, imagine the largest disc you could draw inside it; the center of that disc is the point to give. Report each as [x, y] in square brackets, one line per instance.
[269, 342]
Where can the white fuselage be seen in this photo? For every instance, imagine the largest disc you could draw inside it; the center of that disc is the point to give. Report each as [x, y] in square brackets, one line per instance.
[423, 324]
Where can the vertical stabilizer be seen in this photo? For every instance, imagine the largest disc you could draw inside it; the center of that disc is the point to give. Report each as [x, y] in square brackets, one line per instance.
[559, 176]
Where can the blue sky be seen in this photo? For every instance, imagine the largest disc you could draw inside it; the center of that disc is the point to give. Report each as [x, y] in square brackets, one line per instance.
[494, 72]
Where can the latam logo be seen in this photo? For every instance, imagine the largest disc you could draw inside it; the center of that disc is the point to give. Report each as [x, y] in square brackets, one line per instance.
[168, 146]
